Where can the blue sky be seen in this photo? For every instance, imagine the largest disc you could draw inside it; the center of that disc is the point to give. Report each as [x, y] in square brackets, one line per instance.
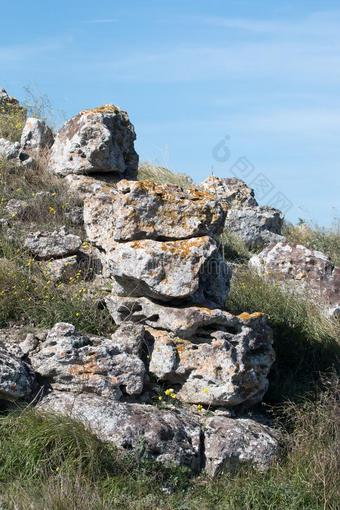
[247, 88]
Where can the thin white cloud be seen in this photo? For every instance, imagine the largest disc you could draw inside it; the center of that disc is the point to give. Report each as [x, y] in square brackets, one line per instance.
[23, 52]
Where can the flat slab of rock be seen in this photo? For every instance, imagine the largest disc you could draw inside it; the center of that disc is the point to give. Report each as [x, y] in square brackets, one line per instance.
[145, 210]
[17, 380]
[231, 443]
[60, 270]
[77, 363]
[36, 135]
[190, 269]
[97, 140]
[303, 269]
[47, 245]
[170, 436]
[9, 150]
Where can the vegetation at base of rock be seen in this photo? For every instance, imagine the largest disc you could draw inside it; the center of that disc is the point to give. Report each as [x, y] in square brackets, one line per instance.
[305, 341]
[52, 462]
[12, 121]
[162, 175]
[326, 240]
[234, 248]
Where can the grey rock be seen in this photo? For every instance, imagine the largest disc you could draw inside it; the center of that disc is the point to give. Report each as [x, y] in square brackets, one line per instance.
[17, 208]
[231, 443]
[17, 380]
[74, 362]
[301, 269]
[36, 136]
[47, 245]
[75, 216]
[28, 345]
[129, 337]
[233, 191]
[61, 270]
[9, 150]
[146, 210]
[169, 436]
[256, 226]
[191, 270]
[97, 140]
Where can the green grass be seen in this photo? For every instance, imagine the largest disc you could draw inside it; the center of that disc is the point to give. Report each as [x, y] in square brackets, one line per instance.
[12, 121]
[161, 175]
[326, 240]
[49, 462]
[306, 342]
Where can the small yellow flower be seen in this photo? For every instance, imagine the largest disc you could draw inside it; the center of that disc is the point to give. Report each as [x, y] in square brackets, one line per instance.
[160, 397]
[169, 392]
[199, 408]
[173, 395]
[205, 390]
[52, 210]
[77, 314]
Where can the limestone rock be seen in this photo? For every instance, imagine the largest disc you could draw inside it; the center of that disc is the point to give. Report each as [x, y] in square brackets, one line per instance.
[60, 270]
[231, 190]
[84, 185]
[231, 443]
[9, 150]
[36, 136]
[256, 226]
[189, 269]
[220, 366]
[145, 210]
[46, 245]
[97, 140]
[129, 337]
[169, 436]
[17, 208]
[17, 381]
[77, 363]
[298, 267]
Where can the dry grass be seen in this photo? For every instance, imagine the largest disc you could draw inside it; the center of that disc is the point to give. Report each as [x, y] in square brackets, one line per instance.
[161, 175]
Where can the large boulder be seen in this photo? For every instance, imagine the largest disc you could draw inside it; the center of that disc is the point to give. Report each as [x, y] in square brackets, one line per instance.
[56, 244]
[295, 266]
[73, 362]
[169, 436]
[145, 210]
[95, 141]
[188, 270]
[231, 443]
[215, 358]
[36, 136]
[17, 380]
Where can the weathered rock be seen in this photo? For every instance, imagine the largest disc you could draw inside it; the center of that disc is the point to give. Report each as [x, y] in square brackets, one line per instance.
[47, 245]
[75, 216]
[256, 226]
[231, 443]
[129, 337]
[17, 208]
[191, 270]
[61, 270]
[28, 345]
[170, 436]
[233, 191]
[145, 210]
[17, 381]
[216, 358]
[9, 150]
[77, 363]
[84, 185]
[36, 136]
[224, 368]
[97, 140]
[302, 269]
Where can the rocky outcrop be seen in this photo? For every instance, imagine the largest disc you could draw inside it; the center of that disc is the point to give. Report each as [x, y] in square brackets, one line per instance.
[17, 380]
[73, 362]
[307, 271]
[231, 443]
[256, 225]
[100, 140]
[48, 245]
[215, 358]
[9, 150]
[36, 136]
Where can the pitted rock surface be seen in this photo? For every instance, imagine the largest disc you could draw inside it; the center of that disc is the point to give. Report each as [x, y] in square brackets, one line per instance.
[17, 380]
[36, 135]
[47, 245]
[77, 363]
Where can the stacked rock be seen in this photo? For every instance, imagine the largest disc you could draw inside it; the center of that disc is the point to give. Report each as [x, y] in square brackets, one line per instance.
[159, 246]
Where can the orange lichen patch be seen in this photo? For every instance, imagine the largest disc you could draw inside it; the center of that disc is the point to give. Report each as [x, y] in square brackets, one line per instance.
[245, 316]
[106, 108]
[183, 248]
[88, 369]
